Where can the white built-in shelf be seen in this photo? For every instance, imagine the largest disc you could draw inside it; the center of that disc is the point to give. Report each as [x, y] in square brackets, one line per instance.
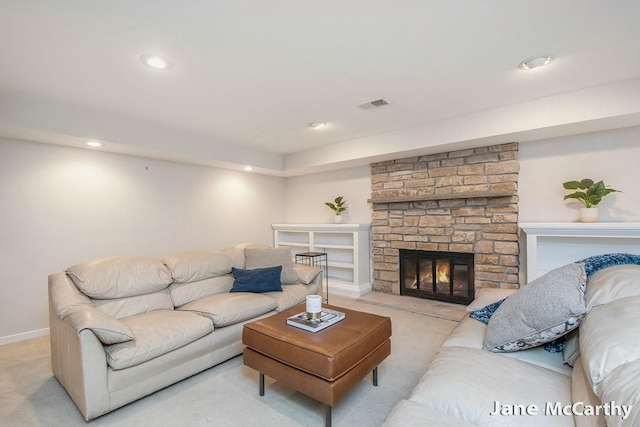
[347, 247]
[557, 242]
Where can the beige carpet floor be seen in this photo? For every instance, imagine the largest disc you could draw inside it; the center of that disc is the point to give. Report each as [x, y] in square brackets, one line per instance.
[227, 394]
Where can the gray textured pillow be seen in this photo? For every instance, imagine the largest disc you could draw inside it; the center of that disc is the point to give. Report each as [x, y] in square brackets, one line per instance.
[543, 310]
[272, 257]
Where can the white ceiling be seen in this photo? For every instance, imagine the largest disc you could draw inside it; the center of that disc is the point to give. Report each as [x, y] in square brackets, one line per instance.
[248, 76]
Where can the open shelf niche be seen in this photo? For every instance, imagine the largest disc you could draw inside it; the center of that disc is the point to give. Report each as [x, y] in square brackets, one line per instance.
[347, 247]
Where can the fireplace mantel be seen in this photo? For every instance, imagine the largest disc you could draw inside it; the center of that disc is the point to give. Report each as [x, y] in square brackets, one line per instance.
[602, 236]
[445, 196]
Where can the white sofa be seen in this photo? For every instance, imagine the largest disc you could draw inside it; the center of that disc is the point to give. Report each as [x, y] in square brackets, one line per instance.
[467, 385]
[124, 327]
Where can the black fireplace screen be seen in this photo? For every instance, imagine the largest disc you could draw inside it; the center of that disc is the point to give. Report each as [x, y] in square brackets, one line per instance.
[438, 275]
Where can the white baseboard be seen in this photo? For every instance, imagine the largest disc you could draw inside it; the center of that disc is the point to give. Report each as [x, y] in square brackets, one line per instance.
[23, 336]
[348, 289]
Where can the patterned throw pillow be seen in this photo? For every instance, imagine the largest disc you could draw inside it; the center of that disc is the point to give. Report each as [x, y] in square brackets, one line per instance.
[485, 313]
[540, 312]
[600, 262]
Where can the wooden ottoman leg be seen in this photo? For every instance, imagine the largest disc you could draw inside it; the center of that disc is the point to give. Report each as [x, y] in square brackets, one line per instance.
[327, 416]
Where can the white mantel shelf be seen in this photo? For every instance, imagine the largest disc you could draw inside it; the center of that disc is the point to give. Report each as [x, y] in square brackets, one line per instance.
[596, 230]
[322, 227]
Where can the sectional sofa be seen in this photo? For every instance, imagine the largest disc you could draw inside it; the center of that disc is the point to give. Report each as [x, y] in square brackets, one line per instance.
[124, 327]
[498, 374]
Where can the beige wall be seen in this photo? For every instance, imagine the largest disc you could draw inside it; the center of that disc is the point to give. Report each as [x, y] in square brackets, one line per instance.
[544, 165]
[613, 156]
[62, 206]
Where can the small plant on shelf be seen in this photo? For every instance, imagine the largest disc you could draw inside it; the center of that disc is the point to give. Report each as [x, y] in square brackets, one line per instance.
[588, 192]
[338, 206]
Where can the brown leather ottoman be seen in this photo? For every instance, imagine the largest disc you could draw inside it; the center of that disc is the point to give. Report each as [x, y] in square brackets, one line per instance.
[323, 365]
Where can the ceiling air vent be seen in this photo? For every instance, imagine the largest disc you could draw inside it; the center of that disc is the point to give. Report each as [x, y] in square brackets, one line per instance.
[373, 104]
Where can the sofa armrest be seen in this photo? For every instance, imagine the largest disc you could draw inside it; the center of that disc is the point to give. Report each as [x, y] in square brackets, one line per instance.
[108, 329]
[78, 359]
[308, 274]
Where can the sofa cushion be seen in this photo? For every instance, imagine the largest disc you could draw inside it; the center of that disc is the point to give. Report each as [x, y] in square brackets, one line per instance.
[120, 277]
[542, 311]
[157, 333]
[197, 265]
[621, 387]
[231, 308]
[306, 273]
[236, 253]
[608, 338]
[292, 295]
[581, 392]
[131, 306]
[257, 280]
[408, 413]
[108, 329]
[271, 257]
[468, 333]
[184, 293]
[466, 383]
[612, 283]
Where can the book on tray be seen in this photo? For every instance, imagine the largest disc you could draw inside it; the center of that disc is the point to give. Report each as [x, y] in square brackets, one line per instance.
[327, 318]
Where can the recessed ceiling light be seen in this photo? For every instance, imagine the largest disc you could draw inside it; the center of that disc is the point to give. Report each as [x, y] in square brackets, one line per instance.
[156, 62]
[248, 168]
[535, 62]
[317, 125]
[94, 144]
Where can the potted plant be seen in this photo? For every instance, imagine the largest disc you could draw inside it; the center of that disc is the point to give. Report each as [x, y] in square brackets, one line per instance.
[590, 194]
[338, 206]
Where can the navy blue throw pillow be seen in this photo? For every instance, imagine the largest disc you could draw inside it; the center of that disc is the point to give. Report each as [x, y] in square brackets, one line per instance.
[485, 313]
[257, 280]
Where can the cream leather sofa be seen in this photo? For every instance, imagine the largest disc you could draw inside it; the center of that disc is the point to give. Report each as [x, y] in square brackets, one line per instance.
[466, 385]
[124, 327]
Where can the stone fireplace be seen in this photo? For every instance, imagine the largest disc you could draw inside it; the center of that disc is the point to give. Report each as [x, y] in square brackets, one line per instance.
[463, 201]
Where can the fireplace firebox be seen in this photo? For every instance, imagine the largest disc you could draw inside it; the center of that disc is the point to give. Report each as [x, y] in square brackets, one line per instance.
[437, 275]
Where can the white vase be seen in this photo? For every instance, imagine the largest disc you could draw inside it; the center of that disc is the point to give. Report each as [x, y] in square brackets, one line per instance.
[337, 219]
[589, 215]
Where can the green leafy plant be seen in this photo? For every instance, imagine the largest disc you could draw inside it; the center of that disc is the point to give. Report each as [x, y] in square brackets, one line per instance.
[588, 192]
[339, 205]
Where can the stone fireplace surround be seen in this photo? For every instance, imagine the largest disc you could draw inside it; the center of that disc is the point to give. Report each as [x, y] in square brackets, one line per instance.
[461, 201]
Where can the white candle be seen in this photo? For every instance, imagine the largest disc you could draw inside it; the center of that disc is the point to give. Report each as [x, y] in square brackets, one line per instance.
[314, 304]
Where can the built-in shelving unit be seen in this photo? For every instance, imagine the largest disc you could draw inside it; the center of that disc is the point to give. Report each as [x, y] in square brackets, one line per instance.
[347, 247]
[552, 244]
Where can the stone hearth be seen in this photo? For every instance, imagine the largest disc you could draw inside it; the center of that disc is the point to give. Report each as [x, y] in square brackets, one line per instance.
[461, 201]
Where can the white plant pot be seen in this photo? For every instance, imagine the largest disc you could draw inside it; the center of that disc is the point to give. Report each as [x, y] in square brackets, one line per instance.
[337, 219]
[589, 215]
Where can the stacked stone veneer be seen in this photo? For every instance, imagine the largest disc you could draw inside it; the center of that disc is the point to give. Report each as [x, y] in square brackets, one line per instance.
[486, 226]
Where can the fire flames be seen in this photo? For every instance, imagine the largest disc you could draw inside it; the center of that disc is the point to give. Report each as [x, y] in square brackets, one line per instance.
[442, 272]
